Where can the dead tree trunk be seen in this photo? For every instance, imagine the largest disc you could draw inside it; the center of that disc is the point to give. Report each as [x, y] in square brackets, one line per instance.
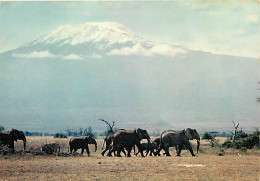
[234, 135]
[109, 125]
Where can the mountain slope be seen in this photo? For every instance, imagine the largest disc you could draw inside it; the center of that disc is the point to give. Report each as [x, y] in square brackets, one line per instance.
[135, 83]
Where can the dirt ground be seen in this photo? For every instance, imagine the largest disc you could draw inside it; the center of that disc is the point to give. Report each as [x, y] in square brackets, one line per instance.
[207, 165]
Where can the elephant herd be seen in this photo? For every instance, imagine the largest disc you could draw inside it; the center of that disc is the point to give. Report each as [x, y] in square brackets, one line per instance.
[120, 141]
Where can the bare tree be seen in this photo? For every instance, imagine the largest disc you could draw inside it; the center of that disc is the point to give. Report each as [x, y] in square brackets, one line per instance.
[109, 125]
[234, 135]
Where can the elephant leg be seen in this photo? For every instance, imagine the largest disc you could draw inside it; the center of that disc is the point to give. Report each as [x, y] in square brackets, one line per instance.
[12, 146]
[166, 147]
[147, 151]
[140, 149]
[82, 151]
[158, 152]
[124, 152]
[118, 153]
[151, 151]
[188, 146]
[87, 149]
[176, 148]
[111, 150]
[118, 150]
[179, 150]
[104, 151]
[129, 152]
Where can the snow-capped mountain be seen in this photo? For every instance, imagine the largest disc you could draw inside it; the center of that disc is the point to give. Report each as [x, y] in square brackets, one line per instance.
[93, 40]
[106, 33]
[137, 83]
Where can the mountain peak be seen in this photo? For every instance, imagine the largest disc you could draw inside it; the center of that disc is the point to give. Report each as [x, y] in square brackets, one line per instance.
[93, 40]
[106, 32]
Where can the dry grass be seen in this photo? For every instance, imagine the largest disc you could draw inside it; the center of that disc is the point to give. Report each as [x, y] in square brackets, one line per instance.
[206, 166]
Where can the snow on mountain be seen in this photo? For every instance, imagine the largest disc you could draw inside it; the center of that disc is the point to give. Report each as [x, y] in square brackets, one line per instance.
[105, 33]
[93, 40]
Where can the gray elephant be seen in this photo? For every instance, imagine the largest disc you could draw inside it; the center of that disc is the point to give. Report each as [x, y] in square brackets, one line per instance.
[7, 138]
[157, 141]
[127, 139]
[108, 142]
[82, 142]
[171, 138]
[51, 148]
[149, 147]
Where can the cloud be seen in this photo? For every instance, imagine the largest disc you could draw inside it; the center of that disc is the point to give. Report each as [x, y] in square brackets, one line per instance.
[35, 54]
[251, 18]
[72, 57]
[94, 55]
[166, 50]
[137, 49]
[155, 50]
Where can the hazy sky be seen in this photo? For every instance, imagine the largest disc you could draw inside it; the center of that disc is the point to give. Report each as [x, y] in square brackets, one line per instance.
[216, 26]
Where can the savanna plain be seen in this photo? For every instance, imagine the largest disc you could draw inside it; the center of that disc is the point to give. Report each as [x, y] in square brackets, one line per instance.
[207, 165]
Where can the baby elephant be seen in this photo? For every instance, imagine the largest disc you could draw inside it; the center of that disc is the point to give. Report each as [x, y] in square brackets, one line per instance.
[51, 148]
[82, 143]
[149, 147]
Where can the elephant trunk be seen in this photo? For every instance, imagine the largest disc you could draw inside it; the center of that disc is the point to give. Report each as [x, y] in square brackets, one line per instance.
[95, 147]
[198, 145]
[24, 143]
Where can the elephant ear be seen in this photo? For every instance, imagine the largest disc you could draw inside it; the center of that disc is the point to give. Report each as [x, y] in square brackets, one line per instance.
[189, 133]
[13, 134]
[138, 131]
[196, 134]
[87, 138]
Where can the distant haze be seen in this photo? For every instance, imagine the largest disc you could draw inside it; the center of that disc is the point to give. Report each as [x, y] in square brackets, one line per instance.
[76, 74]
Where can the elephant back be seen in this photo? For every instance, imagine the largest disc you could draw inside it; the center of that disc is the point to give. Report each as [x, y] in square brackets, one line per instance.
[79, 141]
[5, 138]
[173, 137]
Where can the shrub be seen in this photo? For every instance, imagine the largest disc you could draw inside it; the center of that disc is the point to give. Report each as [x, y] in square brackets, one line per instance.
[227, 144]
[211, 139]
[60, 135]
[244, 141]
[207, 136]
[2, 128]
[241, 134]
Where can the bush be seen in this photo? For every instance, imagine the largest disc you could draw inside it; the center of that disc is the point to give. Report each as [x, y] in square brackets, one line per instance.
[244, 141]
[227, 144]
[207, 136]
[2, 128]
[241, 134]
[60, 135]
